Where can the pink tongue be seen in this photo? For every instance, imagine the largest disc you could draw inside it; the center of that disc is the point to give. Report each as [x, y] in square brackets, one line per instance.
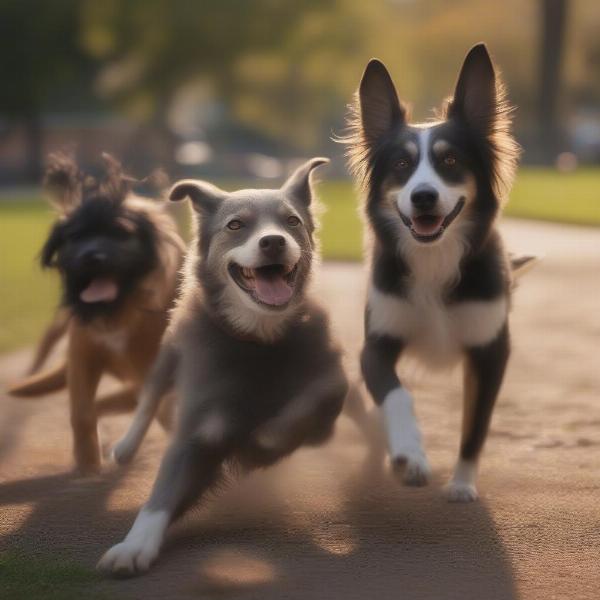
[272, 290]
[427, 226]
[101, 289]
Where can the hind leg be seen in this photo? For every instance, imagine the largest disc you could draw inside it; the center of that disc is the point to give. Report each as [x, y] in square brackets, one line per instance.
[378, 362]
[120, 401]
[188, 468]
[483, 373]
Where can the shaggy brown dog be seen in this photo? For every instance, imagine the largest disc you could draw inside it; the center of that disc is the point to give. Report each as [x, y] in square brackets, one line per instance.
[119, 257]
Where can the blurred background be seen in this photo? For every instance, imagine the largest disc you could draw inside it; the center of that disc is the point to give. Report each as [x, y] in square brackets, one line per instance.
[235, 91]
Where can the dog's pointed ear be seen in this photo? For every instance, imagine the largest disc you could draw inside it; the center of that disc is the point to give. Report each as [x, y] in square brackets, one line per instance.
[475, 96]
[62, 182]
[205, 196]
[380, 109]
[298, 184]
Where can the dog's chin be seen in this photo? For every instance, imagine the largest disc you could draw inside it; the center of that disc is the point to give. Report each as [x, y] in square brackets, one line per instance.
[271, 287]
[428, 228]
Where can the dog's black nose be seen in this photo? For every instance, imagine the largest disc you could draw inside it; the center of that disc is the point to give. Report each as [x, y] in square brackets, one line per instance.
[424, 198]
[272, 245]
[93, 258]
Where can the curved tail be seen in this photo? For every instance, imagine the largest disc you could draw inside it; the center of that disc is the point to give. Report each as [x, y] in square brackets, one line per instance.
[40, 384]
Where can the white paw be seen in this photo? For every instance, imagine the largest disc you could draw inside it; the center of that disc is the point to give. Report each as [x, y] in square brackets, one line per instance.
[128, 558]
[413, 467]
[123, 451]
[460, 492]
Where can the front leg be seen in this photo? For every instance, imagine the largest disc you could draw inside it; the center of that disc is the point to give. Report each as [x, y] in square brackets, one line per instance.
[158, 382]
[306, 419]
[378, 362]
[83, 375]
[189, 467]
[483, 373]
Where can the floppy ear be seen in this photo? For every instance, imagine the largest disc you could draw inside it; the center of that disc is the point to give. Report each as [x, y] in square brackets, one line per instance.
[298, 184]
[205, 197]
[380, 109]
[475, 97]
[52, 245]
[62, 182]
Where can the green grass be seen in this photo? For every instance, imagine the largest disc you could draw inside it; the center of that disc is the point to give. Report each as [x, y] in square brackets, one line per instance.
[24, 577]
[27, 295]
[551, 196]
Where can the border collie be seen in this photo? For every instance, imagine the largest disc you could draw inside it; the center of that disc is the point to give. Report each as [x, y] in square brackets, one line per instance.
[440, 279]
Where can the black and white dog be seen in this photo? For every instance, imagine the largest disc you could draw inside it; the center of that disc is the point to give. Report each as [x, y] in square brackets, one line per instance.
[250, 355]
[440, 279]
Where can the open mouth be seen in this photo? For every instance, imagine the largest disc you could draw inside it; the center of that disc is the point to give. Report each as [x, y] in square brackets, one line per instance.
[269, 285]
[429, 228]
[100, 289]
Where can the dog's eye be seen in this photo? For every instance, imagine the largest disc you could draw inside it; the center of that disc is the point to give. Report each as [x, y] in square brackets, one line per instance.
[293, 221]
[450, 160]
[235, 225]
[402, 164]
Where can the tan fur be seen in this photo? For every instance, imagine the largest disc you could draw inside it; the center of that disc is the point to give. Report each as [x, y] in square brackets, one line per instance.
[123, 345]
[140, 323]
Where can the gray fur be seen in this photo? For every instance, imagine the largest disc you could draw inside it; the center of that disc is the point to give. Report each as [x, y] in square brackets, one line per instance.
[252, 389]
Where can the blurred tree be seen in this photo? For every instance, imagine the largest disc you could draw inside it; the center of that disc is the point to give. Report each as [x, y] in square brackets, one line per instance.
[262, 59]
[552, 45]
[272, 69]
[40, 54]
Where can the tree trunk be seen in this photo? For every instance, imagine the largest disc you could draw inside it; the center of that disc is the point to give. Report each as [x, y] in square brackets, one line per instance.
[33, 143]
[551, 53]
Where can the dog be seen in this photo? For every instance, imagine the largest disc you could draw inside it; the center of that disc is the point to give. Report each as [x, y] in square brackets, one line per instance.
[256, 371]
[119, 257]
[440, 280]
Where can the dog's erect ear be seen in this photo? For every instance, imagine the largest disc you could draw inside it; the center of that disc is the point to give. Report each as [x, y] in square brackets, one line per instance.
[62, 182]
[52, 245]
[116, 185]
[380, 109]
[298, 184]
[475, 96]
[205, 196]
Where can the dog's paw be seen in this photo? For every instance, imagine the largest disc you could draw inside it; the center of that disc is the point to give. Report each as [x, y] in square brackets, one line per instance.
[123, 452]
[460, 492]
[128, 558]
[412, 467]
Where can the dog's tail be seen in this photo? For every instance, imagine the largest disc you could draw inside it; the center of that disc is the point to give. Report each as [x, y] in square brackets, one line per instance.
[520, 264]
[40, 384]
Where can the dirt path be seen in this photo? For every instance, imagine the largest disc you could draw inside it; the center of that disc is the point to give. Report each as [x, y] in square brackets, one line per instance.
[331, 523]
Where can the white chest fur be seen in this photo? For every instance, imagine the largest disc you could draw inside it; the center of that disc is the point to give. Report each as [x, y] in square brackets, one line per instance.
[433, 330]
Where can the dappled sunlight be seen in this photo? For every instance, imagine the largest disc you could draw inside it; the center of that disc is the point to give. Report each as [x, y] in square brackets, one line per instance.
[13, 516]
[335, 538]
[233, 568]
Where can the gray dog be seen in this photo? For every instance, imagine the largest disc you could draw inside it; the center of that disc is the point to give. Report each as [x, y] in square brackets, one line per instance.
[252, 359]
